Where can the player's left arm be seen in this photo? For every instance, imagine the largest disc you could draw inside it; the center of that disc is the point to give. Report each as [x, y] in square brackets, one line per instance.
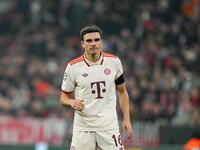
[124, 104]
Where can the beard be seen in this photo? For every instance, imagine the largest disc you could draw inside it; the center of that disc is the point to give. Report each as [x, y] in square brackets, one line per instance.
[94, 54]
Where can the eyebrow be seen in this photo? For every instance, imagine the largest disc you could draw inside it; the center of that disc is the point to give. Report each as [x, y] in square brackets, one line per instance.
[96, 40]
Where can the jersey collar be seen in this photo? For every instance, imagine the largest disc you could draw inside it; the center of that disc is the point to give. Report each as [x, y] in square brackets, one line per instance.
[99, 62]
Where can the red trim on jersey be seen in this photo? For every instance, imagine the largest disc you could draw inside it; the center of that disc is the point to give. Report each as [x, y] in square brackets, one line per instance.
[66, 91]
[109, 55]
[76, 60]
[86, 61]
[89, 64]
[102, 59]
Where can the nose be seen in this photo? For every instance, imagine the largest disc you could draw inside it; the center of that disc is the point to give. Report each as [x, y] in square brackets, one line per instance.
[93, 42]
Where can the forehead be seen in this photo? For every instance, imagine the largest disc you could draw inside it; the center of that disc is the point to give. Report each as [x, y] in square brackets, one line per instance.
[92, 35]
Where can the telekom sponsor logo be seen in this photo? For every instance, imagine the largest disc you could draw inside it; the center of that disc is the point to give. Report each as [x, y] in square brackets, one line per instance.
[100, 88]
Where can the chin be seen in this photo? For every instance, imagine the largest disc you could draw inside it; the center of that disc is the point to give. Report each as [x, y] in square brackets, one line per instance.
[94, 53]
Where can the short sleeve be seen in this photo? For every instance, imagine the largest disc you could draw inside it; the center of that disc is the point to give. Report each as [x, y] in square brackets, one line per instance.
[68, 80]
[119, 68]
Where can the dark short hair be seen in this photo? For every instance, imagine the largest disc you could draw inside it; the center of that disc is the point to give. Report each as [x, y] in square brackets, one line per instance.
[89, 29]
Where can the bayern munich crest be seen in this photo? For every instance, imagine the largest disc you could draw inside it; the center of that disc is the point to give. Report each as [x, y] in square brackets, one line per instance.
[72, 148]
[107, 71]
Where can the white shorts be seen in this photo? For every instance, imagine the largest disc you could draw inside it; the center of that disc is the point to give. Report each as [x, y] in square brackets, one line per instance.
[88, 140]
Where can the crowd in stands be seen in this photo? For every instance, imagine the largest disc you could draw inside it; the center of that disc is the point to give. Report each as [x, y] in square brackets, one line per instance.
[158, 42]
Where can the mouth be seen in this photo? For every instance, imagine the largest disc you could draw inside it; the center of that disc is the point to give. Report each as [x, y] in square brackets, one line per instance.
[94, 48]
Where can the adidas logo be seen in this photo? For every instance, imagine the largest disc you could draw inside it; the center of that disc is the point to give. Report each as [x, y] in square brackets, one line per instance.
[85, 74]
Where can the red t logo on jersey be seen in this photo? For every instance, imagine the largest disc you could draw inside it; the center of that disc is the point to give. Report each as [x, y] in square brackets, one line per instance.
[98, 88]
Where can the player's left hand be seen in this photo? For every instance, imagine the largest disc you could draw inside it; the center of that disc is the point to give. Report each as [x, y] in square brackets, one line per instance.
[126, 124]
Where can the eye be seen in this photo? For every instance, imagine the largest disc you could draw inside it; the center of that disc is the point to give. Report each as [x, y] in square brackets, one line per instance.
[89, 40]
[97, 39]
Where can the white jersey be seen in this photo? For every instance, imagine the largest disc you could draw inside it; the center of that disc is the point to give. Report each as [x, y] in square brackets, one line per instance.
[95, 84]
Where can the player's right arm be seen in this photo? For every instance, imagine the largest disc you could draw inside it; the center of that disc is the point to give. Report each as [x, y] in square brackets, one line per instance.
[65, 100]
[67, 88]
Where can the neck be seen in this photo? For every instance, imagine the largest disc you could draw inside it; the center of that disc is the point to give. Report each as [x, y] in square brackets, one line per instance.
[93, 57]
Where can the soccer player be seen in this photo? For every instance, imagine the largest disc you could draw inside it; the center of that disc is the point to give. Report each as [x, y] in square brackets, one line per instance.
[94, 78]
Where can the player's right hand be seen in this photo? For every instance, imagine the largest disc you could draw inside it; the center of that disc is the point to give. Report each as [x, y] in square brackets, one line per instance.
[77, 104]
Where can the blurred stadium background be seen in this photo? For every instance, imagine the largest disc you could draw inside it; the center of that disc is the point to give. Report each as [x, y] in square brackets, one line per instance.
[158, 42]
